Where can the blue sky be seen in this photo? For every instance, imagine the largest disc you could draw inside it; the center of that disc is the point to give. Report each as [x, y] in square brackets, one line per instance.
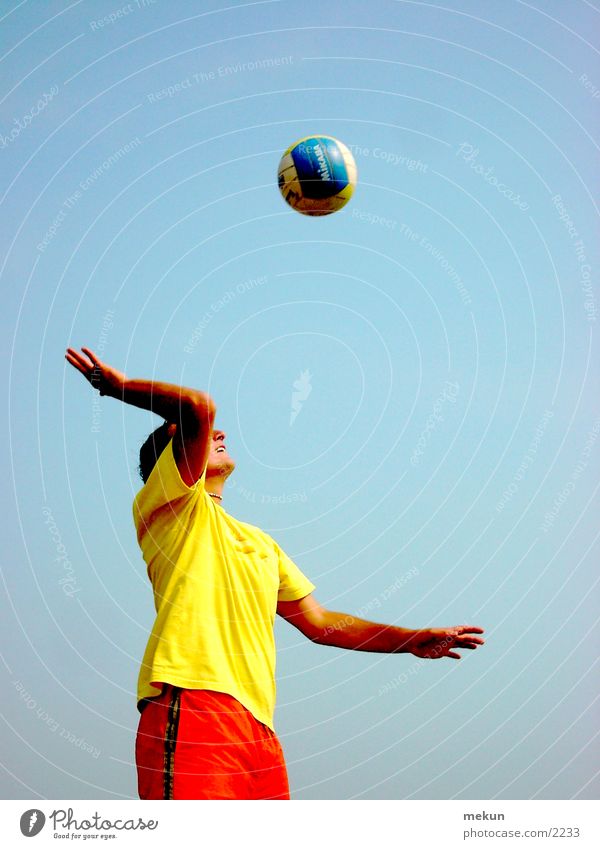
[443, 466]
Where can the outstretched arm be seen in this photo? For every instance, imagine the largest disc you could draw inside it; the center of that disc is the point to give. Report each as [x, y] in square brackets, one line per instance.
[329, 628]
[191, 411]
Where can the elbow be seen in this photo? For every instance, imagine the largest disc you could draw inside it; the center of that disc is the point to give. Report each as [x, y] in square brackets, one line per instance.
[201, 407]
[320, 632]
[334, 629]
[316, 637]
[207, 404]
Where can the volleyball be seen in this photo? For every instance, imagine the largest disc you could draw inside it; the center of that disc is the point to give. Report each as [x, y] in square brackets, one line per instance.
[317, 175]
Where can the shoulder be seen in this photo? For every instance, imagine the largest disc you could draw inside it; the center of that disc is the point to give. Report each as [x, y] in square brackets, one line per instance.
[165, 485]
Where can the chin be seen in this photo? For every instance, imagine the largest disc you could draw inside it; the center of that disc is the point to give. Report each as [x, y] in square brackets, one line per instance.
[221, 468]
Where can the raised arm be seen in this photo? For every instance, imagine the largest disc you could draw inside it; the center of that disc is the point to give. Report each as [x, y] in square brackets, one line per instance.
[329, 628]
[191, 412]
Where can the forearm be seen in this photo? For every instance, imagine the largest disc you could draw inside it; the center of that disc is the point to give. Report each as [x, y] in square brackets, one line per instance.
[168, 400]
[347, 632]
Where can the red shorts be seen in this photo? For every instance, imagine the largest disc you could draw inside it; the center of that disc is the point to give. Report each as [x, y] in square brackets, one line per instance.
[201, 744]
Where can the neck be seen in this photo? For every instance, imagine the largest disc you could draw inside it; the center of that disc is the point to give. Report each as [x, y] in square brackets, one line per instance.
[214, 487]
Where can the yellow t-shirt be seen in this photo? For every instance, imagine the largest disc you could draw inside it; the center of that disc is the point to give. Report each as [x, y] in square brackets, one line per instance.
[216, 584]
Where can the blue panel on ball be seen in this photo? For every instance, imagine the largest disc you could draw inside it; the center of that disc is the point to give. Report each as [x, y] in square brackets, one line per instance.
[320, 167]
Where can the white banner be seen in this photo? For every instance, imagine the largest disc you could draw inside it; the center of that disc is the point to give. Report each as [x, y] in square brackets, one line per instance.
[304, 824]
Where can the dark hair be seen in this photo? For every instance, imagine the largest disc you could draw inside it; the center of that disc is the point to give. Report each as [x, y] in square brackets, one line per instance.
[152, 448]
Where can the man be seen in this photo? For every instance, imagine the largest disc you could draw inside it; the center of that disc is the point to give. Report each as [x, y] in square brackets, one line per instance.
[206, 689]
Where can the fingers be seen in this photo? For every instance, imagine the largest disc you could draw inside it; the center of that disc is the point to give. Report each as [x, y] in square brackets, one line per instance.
[73, 352]
[462, 638]
[79, 362]
[465, 634]
[91, 355]
[472, 641]
[89, 366]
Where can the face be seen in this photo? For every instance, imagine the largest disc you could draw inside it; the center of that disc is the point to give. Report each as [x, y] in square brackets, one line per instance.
[220, 464]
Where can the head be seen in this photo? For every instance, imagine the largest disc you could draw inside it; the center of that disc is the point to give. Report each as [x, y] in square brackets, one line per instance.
[153, 447]
[219, 464]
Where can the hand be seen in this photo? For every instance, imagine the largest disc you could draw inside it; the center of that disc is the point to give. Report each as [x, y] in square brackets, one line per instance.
[434, 643]
[104, 378]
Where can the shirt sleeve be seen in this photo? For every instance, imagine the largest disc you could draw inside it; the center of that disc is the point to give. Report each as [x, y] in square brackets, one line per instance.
[293, 584]
[165, 485]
